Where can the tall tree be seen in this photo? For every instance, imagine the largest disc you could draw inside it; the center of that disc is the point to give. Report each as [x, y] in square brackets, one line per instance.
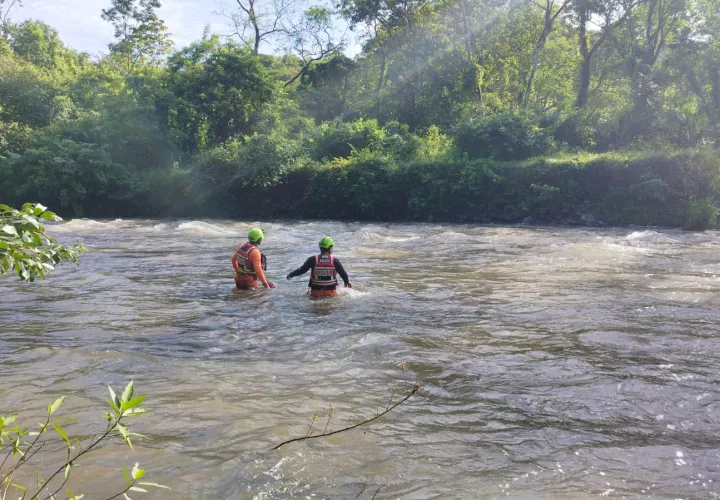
[260, 21]
[6, 6]
[606, 16]
[313, 38]
[141, 36]
[551, 11]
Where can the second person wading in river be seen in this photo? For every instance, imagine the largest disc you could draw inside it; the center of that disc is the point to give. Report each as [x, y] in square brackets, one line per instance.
[324, 270]
[250, 263]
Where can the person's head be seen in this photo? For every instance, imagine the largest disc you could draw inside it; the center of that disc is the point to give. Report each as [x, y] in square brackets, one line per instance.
[255, 236]
[326, 244]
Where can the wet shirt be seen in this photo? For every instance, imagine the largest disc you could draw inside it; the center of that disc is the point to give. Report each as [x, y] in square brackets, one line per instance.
[310, 265]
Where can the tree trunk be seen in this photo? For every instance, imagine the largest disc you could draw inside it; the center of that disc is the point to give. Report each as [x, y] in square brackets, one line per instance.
[584, 81]
[533, 70]
[383, 69]
[469, 52]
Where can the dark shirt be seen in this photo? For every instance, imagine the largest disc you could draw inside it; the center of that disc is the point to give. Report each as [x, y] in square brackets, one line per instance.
[310, 264]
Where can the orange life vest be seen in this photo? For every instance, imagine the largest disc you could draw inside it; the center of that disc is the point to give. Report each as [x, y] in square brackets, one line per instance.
[245, 265]
[324, 273]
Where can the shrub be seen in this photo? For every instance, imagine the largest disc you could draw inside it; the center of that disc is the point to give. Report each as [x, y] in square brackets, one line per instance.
[512, 135]
[339, 139]
[703, 215]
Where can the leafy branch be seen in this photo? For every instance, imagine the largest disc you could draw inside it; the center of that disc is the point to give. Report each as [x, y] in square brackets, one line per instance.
[24, 246]
[123, 406]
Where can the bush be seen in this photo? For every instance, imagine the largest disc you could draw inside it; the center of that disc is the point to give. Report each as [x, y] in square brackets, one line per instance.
[512, 135]
[70, 175]
[238, 173]
[703, 215]
[339, 139]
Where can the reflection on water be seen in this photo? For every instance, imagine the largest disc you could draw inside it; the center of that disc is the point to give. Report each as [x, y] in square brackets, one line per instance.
[555, 363]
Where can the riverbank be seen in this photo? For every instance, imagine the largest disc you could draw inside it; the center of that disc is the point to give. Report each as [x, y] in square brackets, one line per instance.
[678, 189]
[659, 188]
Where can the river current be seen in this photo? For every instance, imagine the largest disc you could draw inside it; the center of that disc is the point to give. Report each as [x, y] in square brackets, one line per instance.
[554, 362]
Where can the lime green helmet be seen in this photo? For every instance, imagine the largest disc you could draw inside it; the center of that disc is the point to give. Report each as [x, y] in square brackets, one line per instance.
[255, 235]
[326, 243]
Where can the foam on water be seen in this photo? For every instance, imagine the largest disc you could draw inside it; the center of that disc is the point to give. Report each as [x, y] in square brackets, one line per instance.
[205, 229]
[88, 225]
[650, 235]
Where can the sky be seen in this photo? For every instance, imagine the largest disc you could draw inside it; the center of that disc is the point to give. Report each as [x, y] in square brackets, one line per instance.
[79, 24]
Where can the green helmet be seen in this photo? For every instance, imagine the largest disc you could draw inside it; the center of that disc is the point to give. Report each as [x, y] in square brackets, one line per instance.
[255, 235]
[326, 243]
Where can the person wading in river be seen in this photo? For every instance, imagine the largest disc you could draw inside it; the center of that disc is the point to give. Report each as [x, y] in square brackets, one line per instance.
[324, 270]
[249, 263]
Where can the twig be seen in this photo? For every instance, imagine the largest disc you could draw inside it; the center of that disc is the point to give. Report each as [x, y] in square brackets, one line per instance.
[361, 491]
[376, 492]
[23, 458]
[83, 452]
[124, 491]
[414, 390]
[330, 414]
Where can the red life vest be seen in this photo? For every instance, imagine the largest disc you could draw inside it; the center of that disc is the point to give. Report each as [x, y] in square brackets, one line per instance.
[324, 273]
[245, 265]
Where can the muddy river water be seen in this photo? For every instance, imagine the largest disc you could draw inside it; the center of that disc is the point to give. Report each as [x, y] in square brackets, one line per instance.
[554, 362]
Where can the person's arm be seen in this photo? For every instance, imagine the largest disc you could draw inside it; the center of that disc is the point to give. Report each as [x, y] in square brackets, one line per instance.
[234, 261]
[309, 264]
[257, 266]
[341, 271]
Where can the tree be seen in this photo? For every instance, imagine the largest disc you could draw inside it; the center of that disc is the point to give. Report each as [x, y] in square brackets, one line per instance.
[606, 15]
[141, 36]
[6, 6]
[216, 90]
[39, 44]
[313, 38]
[550, 15]
[260, 21]
[25, 248]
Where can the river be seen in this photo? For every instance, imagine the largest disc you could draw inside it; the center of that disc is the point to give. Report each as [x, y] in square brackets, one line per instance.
[554, 362]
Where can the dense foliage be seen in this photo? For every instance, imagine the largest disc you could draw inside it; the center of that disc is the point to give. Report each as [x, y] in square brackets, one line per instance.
[453, 110]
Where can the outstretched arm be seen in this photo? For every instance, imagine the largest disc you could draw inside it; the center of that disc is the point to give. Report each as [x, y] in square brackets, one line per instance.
[302, 269]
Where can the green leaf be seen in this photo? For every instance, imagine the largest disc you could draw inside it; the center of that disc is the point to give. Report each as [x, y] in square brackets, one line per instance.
[137, 472]
[154, 485]
[22, 488]
[9, 230]
[39, 209]
[62, 433]
[67, 471]
[132, 403]
[125, 434]
[56, 405]
[50, 216]
[112, 405]
[127, 476]
[136, 488]
[126, 497]
[128, 392]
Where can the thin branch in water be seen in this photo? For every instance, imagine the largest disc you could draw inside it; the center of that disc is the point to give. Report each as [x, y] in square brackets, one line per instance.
[361, 491]
[414, 390]
[378, 491]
